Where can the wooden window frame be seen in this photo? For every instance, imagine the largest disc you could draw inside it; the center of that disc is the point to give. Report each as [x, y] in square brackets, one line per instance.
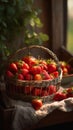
[59, 29]
[55, 15]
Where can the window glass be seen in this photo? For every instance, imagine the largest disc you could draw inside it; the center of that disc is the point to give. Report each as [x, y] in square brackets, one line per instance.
[70, 26]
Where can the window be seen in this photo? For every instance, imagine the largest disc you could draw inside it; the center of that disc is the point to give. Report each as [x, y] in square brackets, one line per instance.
[70, 26]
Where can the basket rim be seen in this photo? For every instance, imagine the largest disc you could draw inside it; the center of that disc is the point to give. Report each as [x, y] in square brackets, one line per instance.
[50, 52]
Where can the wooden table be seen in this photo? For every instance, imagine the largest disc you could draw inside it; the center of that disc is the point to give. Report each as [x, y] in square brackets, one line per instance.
[57, 117]
[54, 118]
[6, 118]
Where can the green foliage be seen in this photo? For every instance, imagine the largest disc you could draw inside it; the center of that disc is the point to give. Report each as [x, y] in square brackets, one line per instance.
[16, 15]
[70, 36]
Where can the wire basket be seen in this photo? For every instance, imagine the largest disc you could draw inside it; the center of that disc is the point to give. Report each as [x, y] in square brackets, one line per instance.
[16, 88]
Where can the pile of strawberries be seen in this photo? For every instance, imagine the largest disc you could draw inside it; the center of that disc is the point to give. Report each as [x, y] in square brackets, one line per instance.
[66, 68]
[31, 68]
[66, 93]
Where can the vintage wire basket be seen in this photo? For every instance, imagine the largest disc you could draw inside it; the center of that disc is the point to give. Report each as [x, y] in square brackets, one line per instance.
[15, 88]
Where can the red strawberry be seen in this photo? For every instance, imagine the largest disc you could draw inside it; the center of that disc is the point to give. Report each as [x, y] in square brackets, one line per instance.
[63, 64]
[9, 74]
[37, 103]
[59, 96]
[70, 92]
[51, 89]
[68, 66]
[44, 92]
[20, 76]
[25, 66]
[28, 76]
[35, 69]
[55, 74]
[43, 64]
[65, 67]
[51, 67]
[19, 63]
[45, 75]
[28, 89]
[13, 67]
[36, 92]
[65, 71]
[24, 71]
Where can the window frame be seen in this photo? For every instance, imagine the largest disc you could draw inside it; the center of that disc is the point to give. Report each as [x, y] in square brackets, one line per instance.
[54, 18]
[59, 30]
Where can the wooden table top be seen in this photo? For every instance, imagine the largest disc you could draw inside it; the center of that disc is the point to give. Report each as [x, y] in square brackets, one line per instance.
[54, 118]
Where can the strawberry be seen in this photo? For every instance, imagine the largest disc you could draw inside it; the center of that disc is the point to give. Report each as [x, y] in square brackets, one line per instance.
[13, 67]
[65, 71]
[9, 74]
[36, 92]
[51, 89]
[45, 75]
[36, 103]
[63, 64]
[24, 71]
[66, 67]
[28, 89]
[35, 69]
[37, 77]
[28, 76]
[59, 96]
[20, 76]
[25, 66]
[51, 68]
[55, 74]
[70, 92]
[44, 92]
[19, 63]
[43, 64]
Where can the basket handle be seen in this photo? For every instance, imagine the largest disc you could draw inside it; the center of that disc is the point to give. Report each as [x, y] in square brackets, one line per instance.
[46, 50]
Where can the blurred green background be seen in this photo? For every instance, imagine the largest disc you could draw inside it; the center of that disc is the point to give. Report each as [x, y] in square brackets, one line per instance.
[70, 36]
[70, 27]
